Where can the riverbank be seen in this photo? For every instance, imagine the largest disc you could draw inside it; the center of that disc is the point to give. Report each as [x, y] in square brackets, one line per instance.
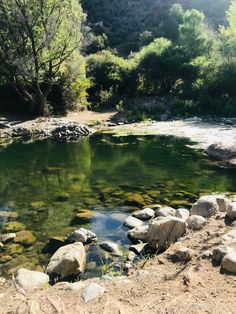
[158, 285]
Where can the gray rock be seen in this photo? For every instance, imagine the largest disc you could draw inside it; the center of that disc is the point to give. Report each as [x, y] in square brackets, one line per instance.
[5, 238]
[222, 151]
[132, 222]
[219, 252]
[111, 247]
[206, 206]
[229, 262]
[28, 279]
[230, 237]
[182, 213]
[223, 203]
[139, 233]
[145, 214]
[231, 211]
[68, 260]
[233, 225]
[196, 222]
[206, 255]
[81, 235]
[163, 232]
[93, 291]
[165, 212]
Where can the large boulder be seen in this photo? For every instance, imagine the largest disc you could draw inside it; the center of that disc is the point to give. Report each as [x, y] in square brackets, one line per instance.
[68, 260]
[139, 233]
[29, 279]
[222, 151]
[81, 235]
[163, 232]
[206, 206]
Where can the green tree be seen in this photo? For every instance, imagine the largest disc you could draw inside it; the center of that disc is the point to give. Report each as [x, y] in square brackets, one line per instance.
[36, 38]
[194, 35]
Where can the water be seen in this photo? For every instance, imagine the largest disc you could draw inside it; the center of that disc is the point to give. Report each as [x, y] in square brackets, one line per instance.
[98, 174]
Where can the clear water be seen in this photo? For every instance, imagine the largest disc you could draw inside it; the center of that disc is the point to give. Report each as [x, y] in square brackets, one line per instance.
[99, 174]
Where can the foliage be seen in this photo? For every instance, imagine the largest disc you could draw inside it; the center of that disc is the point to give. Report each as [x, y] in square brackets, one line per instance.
[37, 37]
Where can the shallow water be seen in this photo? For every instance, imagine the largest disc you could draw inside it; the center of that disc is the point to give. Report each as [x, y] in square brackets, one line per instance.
[99, 174]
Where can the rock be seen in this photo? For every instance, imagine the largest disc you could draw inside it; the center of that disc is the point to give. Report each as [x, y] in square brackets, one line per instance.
[132, 222]
[93, 291]
[163, 232]
[231, 211]
[53, 244]
[229, 263]
[26, 238]
[68, 260]
[5, 238]
[182, 255]
[196, 222]
[8, 214]
[219, 252]
[138, 249]
[223, 203]
[111, 247]
[76, 286]
[206, 206]
[135, 200]
[5, 258]
[230, 237]
[139, 233]
[131, 256]
[128, 265]
[29, 279]
[145, 214]
[206, 255]
[63, 197]
[71, 131]
[222, 151]
[182, 213]
[13, 226]
[84, 215]
[82, 235]
[233, 225]
[165, 212]
[15, 248]
[21, 132]
[37, 204]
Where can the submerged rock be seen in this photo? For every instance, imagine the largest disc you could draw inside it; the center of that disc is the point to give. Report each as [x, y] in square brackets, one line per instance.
[15, 248]
[30, 280]
[8, 214]
[24, 237]
[132, 222]
[111, 247]
[63, 197]
[68, 260]
[37, 204]
[196, 222]
[82, 235]
[13, 226]
[135, 200]
[163, 232]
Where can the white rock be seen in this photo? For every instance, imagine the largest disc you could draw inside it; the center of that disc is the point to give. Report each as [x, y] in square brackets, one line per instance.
[132, 222]
[93, 291]
[229, 262]
[206, 206]
[139, 233]
[231, 211]
[182, 213]
[230, 237]
[145, 214]
[223, 203]
[111, 247]
[68, 260]
[29, 279]
[219, 252]
[163, 232]
[82, 235]
[165, 212]
[4, 238]
[196, 222]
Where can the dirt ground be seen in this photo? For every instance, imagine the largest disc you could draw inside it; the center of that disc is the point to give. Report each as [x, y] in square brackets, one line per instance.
[160, 286]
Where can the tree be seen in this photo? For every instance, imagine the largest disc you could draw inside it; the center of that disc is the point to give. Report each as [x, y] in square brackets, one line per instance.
[194, 35]
[36, 38]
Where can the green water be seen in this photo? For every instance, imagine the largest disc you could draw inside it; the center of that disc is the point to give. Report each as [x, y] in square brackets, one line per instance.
[100, 174]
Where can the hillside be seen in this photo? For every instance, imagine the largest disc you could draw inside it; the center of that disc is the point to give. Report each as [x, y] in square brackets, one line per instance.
[123, 21]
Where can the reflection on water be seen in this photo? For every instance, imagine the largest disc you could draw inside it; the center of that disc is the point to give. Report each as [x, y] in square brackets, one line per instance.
[55, 187]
